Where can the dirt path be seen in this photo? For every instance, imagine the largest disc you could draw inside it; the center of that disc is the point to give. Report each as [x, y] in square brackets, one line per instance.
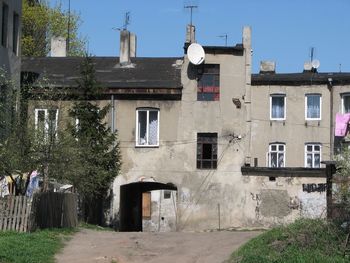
[104, 246]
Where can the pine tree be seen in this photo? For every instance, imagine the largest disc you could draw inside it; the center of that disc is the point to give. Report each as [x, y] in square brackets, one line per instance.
[96, 146]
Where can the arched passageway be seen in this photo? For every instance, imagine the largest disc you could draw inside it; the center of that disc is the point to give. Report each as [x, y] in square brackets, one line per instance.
[131, 203]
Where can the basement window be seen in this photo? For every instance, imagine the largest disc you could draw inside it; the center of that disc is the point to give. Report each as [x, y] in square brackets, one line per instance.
[208, 85]
[207, 150]
[167, 194]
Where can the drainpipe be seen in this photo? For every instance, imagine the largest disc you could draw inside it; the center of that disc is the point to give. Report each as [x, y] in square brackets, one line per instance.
[112, 114]
[331, 132]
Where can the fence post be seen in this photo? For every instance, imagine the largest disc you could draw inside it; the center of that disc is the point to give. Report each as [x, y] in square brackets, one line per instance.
[330, 170]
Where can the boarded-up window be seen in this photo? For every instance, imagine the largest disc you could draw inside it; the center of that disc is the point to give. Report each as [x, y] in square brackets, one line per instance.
[146, 205]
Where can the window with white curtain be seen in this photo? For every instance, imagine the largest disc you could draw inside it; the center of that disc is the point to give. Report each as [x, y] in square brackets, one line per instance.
[313, 104]
[46, 123]
[312, 155]
[147, 127]
[278, 107]
[276, 155]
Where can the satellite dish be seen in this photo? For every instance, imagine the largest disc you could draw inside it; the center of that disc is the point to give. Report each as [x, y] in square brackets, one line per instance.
[315, 63]
[195, 53]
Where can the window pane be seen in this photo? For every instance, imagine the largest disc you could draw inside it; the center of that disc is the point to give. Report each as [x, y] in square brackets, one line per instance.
[273, 159]
[309, 160]
[277, 110]
[52, 122]
[273, 147]
[281, 147]
[309, 148]
[317, 160]
[313, 106]
[281, 160]
[153, 128]
[346, 101]
[209, 83]
[142, 127]
[207, 151]
[317, 148]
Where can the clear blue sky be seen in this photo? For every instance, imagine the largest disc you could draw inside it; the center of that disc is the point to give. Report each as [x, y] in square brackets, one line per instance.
[282, 30]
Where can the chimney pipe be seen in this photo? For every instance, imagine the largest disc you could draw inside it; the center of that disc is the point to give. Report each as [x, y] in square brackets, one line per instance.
[190, 34]
[58, 47]
[127, 47]
[267, 67]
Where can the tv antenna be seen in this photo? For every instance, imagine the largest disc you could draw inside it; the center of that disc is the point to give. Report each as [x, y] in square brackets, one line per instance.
[191, 7]
[225, 37]
[126, 22]
[312, 49]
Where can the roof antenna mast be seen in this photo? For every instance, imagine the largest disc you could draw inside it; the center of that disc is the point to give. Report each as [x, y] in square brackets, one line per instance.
[191, 7]
[224, 37]
[126, 21]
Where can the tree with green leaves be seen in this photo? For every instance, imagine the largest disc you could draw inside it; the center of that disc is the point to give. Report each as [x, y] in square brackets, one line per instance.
[98, 157]
[40, 23]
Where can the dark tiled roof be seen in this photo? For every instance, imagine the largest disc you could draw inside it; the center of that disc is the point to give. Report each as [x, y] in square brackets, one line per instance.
[147, 73]
[298, 79]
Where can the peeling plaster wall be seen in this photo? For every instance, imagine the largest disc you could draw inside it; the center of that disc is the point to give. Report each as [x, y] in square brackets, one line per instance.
[284, 200]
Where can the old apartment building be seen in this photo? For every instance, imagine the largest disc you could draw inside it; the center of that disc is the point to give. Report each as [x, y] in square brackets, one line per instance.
[207, 146]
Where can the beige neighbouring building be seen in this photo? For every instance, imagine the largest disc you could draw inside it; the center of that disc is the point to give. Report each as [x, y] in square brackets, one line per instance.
[197, 141]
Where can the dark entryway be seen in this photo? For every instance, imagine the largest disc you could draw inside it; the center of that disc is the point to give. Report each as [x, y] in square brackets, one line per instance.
[131, 203]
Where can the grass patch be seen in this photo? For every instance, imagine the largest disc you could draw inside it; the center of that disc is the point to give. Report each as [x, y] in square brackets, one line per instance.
[305, 240]
[36, 247]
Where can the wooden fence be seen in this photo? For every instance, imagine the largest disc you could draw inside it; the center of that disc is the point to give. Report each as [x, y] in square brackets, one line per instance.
[15, 213]
[54, 210]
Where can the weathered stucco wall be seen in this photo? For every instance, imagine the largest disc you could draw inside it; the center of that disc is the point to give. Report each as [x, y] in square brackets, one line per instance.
[295, 131]
[284, 200]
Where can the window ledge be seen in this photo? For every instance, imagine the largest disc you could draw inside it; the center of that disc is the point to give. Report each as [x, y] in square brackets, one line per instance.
[146, 146]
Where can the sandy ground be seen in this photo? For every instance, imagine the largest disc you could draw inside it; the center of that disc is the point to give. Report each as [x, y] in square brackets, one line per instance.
[136, 247]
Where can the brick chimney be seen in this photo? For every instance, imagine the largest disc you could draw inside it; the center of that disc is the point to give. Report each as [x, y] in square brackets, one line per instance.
[190, 34]
[267, 67]
[127, 47]
[58, 47]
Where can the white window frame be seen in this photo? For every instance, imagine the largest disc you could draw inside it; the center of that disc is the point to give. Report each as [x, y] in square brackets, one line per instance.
[46, 116]
[147, 128]
[306, 99]
[313, 152]
[342, 102]
[285, 107]
[277, 144]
